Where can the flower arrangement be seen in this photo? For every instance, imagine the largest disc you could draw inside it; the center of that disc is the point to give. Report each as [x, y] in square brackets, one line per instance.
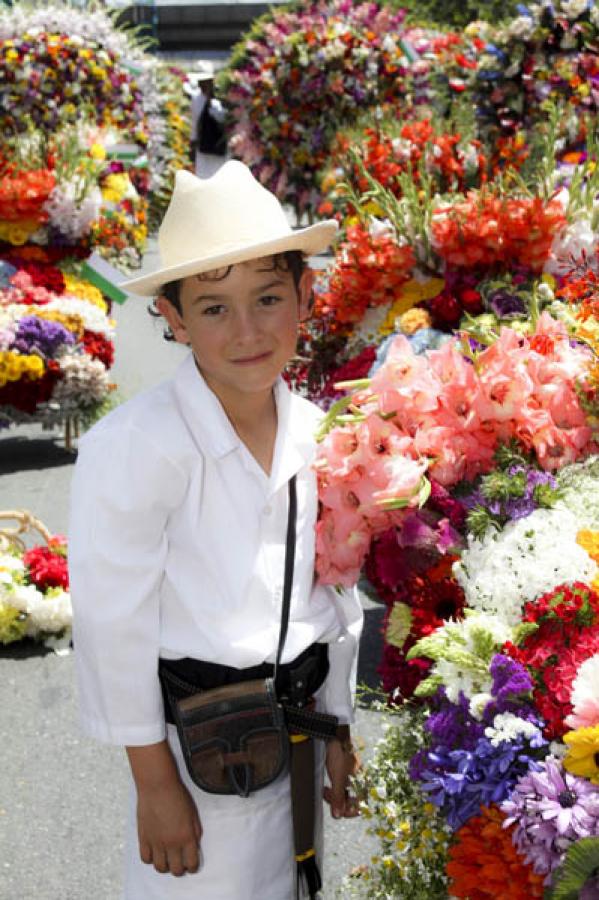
[34, 593]
[297, 76]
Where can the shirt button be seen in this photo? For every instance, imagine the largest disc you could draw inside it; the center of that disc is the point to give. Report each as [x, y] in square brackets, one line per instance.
[267, 510]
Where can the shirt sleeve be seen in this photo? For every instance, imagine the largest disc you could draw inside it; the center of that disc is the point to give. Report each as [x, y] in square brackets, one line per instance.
[122, 494]
[339, 690]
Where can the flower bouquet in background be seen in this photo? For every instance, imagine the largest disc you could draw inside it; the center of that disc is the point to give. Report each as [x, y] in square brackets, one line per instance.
[297, 77]
[56, 339]
[62, 65]
[34, 585]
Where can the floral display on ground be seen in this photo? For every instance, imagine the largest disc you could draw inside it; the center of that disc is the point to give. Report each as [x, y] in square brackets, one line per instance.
[34, 594]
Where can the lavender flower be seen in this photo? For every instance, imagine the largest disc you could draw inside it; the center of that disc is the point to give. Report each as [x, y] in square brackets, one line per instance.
[505, 496]
[35, 335]
[511, 689]
[550, 808]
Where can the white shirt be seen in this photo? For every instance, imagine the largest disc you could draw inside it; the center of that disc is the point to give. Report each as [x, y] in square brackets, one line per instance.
[177, 547]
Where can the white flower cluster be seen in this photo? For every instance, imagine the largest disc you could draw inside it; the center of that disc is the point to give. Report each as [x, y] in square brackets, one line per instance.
[521, 28]
[93, 318]
[86, 25]
[579, 486]
[462, 652]
[507, 727]
[50, 613]
[505, 569]
[85, 381]
[70, 213]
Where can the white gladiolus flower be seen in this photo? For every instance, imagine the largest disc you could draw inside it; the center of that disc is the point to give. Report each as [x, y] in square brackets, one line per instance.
[505, 569]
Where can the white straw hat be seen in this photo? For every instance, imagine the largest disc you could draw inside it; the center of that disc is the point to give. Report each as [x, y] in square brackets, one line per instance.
[219, 221]
[204, 70]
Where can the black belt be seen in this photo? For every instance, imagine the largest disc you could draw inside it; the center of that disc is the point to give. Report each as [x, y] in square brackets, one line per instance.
[297, 681]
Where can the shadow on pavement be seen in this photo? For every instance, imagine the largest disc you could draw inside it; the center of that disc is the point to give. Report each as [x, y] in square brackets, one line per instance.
[23, 649]
[18, 454]
[371, 651]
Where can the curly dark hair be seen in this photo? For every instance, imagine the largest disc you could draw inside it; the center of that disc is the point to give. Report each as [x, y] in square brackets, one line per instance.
[291, 261]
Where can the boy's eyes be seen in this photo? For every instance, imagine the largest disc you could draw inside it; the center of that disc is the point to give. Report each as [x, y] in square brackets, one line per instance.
[216, 309]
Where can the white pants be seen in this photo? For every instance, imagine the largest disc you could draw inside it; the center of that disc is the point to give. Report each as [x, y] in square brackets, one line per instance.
[246, 850]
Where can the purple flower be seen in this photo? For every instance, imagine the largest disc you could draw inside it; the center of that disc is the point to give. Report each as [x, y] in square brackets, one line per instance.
[461, 781]
[550, 808]
[35, 335]
[506, 305]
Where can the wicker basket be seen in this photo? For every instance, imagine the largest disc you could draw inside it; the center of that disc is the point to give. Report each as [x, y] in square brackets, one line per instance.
[12, 536]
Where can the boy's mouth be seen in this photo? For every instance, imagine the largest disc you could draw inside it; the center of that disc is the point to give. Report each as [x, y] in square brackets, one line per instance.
[252, 360]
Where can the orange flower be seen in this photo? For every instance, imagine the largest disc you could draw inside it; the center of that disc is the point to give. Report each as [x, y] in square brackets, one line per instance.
[483, 863]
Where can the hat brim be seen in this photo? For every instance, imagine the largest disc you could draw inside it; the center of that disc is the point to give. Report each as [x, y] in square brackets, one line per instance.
[313, 239]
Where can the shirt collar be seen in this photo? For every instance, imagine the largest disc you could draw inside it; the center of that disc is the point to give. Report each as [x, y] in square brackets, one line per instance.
[214, 434]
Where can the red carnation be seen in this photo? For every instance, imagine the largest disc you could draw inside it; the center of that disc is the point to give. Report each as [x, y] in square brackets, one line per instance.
[47, 566]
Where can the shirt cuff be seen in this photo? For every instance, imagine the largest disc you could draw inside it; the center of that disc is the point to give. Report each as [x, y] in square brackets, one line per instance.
[125, 735]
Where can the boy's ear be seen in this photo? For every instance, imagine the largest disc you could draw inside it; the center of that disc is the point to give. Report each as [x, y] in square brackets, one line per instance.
[305, 293]
[173, 319]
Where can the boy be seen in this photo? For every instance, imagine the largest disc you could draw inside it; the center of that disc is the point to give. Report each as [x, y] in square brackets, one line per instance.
[177, 545]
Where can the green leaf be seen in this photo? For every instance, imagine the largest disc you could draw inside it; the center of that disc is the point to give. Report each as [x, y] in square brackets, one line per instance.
[580, 863]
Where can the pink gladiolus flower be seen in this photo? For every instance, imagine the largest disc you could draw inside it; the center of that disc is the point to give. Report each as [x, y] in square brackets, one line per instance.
[342, 542]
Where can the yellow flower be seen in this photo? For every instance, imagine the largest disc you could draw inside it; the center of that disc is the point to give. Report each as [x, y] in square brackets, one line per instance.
[13, 624]
[97, 151]
[11, 55]
[589, 541]
[399, 624]
[413, 320]
[85, 291]
[583, 753]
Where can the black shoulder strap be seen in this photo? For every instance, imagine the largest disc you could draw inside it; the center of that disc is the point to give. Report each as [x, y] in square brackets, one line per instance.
[289, 566]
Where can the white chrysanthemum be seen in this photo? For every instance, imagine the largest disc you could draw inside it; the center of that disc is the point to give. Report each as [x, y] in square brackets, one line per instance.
[9, 566]
[507, 727]
[25, 597]
[84, 381]
[505, 569]
[94, 319]
[49, 614]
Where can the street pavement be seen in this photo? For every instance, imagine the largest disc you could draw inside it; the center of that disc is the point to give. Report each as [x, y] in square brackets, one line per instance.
[63, 797]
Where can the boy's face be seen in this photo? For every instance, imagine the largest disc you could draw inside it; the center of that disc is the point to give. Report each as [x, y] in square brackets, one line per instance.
[241, 328]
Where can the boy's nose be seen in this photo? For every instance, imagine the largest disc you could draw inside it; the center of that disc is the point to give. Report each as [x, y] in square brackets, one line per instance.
[245, 326]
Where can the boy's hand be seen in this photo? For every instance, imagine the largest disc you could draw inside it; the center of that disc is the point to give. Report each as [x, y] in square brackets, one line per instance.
[168, 824]
[342, 762]
[169, 829]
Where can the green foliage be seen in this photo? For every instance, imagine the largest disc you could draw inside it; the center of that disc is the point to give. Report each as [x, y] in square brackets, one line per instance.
[413, 836]
[456, 13]
[580, 863]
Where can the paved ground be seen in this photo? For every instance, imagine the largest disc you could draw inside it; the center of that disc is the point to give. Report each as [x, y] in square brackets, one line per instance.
[62, 798]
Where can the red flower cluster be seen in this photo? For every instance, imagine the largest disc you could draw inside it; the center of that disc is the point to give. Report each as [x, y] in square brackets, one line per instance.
[357, 367]
[368, 272]
[567, 634]
[47, 566]
[485, 230]
[45, 276]
[99, 347]
[23, 195]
